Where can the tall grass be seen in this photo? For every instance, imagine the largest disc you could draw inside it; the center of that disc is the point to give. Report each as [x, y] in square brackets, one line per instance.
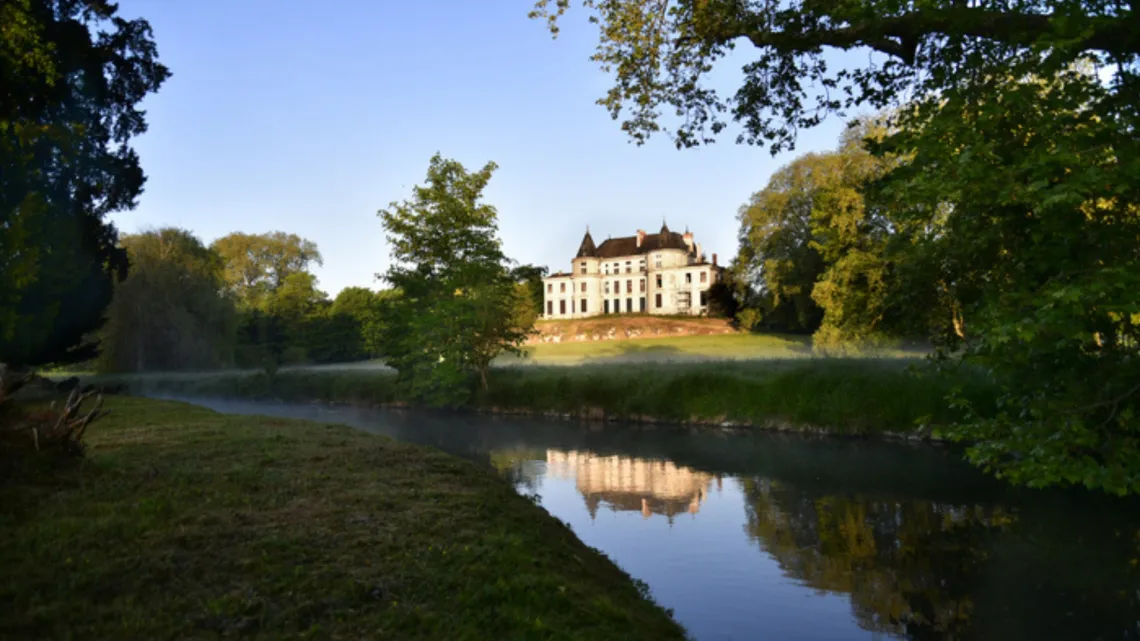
[853, 396]
[841, 395]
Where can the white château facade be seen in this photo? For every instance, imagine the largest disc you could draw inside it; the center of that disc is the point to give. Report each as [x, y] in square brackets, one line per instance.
[662, 273]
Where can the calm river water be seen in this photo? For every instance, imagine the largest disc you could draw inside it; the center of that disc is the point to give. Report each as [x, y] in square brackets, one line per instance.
[782, 537]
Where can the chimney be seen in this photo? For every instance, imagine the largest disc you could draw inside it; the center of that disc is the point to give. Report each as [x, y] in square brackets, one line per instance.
[714, 259]
[640, 237]
[688, 238]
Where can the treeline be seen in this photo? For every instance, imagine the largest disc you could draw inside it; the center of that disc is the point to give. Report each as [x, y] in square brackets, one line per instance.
[250, 301]
[1004, 232]
[819, 256]
[246, 300]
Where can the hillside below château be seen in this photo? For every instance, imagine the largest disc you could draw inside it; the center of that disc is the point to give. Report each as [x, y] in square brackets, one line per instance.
[602, 328]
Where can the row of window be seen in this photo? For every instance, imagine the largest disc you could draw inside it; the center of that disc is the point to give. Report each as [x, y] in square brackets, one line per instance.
[616, 307]
[628, 284]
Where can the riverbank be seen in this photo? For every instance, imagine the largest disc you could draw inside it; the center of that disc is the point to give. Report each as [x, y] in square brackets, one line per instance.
[185, 523]
[848, 396]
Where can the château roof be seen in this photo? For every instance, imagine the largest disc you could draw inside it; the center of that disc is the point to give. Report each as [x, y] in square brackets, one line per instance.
[587, 249]
[627, 245]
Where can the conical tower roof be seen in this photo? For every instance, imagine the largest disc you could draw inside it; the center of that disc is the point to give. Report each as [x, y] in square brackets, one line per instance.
[587, 249]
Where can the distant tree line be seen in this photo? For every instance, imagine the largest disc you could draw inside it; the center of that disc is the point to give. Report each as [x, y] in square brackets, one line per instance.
[246, 300]
[252, 301]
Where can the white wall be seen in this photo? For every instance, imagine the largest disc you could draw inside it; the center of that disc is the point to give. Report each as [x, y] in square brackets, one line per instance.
[601, 279]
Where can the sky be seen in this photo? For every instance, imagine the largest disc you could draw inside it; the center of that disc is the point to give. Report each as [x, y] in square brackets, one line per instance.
[308, 117]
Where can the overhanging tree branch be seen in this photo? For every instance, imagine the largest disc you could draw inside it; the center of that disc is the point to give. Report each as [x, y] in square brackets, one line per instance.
[900, 35]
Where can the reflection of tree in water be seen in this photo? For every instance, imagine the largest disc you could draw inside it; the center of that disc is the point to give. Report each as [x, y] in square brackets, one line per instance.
[521, 468]
[926, 570]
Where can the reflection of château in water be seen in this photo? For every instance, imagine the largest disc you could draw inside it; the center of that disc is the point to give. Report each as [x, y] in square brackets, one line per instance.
[631, 484]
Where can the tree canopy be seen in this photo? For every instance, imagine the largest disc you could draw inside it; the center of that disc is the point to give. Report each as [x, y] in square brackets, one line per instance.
[661, 53]
[170, 313]
[260, 264]
[72, 75]
[458, 302]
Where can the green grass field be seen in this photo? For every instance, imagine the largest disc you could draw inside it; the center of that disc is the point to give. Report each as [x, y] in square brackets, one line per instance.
[183, 523]
[683, 348]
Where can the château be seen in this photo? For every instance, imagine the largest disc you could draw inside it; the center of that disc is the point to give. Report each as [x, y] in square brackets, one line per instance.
[664, 273]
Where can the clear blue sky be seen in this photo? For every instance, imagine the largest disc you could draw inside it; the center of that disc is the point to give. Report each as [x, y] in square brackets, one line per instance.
[308, 117]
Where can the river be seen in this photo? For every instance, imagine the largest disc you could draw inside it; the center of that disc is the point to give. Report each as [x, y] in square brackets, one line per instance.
[783, 537]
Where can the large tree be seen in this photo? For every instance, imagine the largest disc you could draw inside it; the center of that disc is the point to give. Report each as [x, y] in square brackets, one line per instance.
[171, 312]
[1025, 209]
[72, 74]
[258, 265]
[457, 308]
[814, 248]
[661, 53]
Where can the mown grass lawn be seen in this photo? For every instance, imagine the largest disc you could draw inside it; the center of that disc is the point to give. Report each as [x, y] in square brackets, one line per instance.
[186, 523]
[741, 346]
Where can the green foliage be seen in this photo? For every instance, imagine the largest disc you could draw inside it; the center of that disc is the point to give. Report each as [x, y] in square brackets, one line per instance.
[1039, 244]
[458, 303]
[261, 341]
[258, 265]
[370, 312]
[73, 74]
[286, 319]
[814, 251]
[530, 276]
[748, 318]
[662, 53]
[171, 312]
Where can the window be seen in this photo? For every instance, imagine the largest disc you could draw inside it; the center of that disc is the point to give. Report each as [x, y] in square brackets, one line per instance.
[583, 290]
[584, 305]
[550, 288]
[659, 279]
[704, 297]
[641, 283]
[658, 301]
[658, 261]
[628, 267]
[629, 286]
[549, 308]
[704, 277]
[562, 287]
[582, 267]
[688, 277]
[607, 268]
[561, 307]
[606, 303]
[641, 304]
[607, 286]
[629, 305]
[617, 305]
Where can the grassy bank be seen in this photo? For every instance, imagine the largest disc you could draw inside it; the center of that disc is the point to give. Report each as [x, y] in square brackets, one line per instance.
[851, 396]
[185, 523]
